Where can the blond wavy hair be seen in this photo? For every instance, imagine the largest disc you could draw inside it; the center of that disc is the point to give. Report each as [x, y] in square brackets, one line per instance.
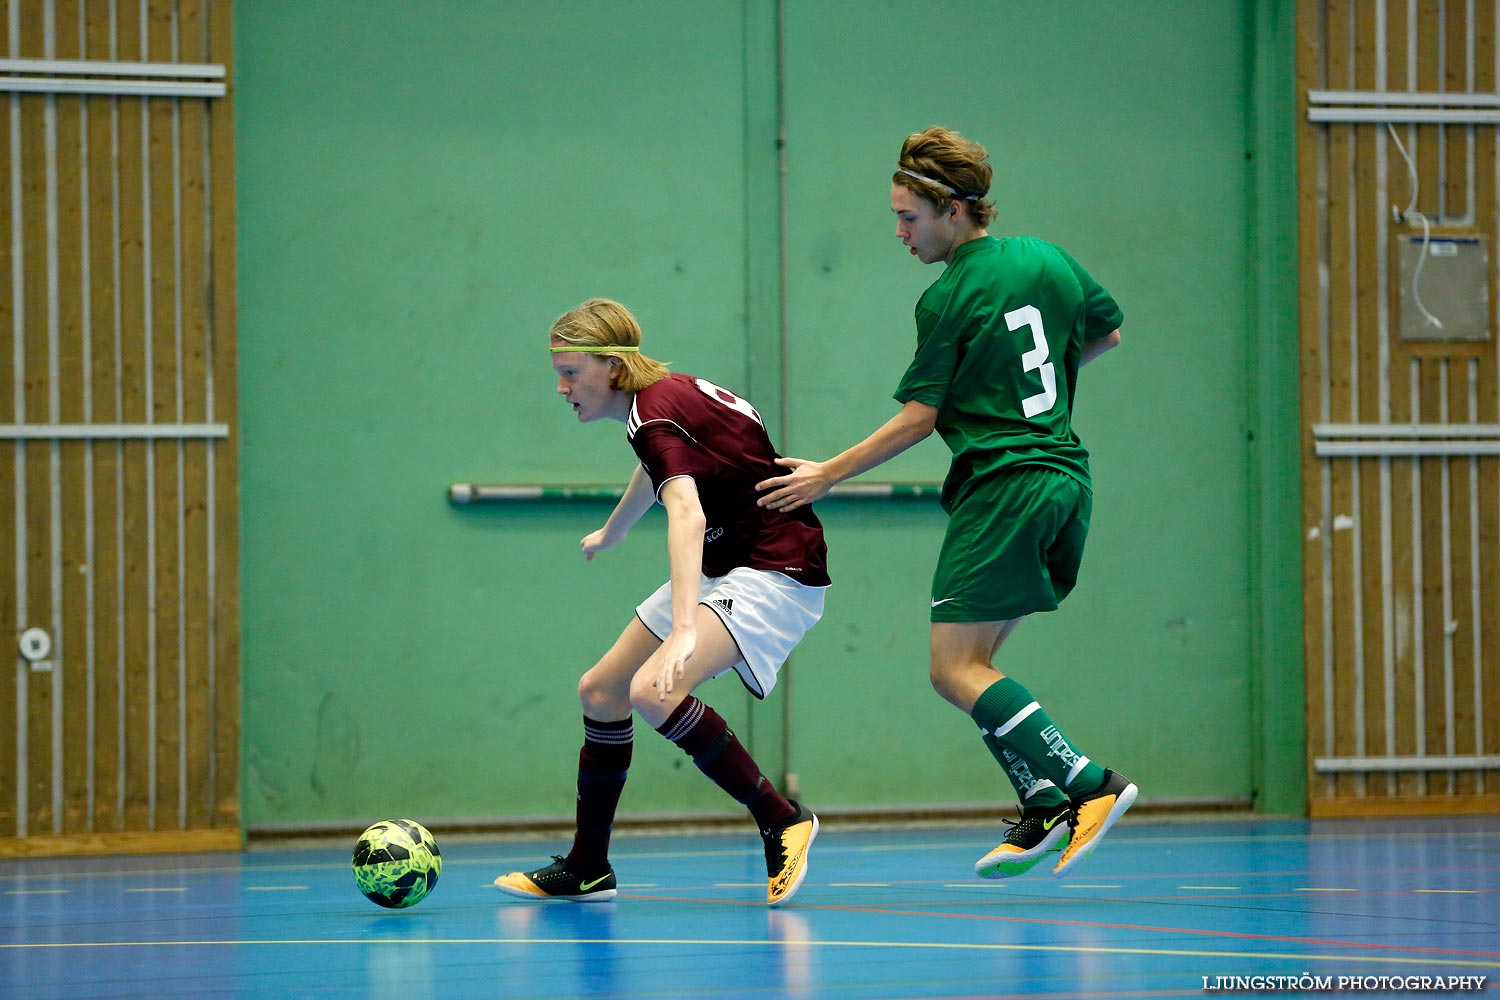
[606, 323]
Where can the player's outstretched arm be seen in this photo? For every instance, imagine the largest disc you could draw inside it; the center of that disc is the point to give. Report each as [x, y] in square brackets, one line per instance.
[637, 500]
[810, 481]
[1093, 348]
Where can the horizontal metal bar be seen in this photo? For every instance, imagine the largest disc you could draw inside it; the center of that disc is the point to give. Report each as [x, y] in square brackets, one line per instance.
[1406, 98]
[57, 432]
[473, 493]
[1460, 762]
[1419, 116]
[1323, 431]
[1398, 449]
[887, 491]
[117, 88]
[467, 493]
[90, 67]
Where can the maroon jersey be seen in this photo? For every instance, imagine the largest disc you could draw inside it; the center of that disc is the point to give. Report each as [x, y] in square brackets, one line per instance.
[686, 426]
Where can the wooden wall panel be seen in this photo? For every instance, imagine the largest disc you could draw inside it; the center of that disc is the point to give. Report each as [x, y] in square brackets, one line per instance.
[36, 456]
[163, 469]
[1487, 211]
[1404, 574]
[1312, 305]
[127, 543]
[1401, 582]
[139, 723]
[70, 501]
[193, 288]
[1365, 404]
[1347, 635]
[9, 552]
[106, 576]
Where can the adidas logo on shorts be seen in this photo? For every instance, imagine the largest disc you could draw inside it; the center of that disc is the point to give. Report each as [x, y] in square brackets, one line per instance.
[723, 604]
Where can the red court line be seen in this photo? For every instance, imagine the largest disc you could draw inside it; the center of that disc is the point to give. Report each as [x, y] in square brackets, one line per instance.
[1312, 892]
[1321, 942]
[1316, 893]
[1331, 873]
[1070, 995]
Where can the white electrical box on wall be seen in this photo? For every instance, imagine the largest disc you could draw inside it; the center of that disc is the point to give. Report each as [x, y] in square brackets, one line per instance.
[1445, 290]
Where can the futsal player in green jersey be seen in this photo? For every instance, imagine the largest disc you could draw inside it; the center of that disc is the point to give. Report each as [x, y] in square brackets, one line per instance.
[1001, 335]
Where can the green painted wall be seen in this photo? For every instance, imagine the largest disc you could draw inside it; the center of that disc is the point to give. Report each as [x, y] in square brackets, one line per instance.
[421, 194]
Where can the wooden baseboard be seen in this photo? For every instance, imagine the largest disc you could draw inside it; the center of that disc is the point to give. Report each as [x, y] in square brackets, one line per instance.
[1429, 805]
[172, 842]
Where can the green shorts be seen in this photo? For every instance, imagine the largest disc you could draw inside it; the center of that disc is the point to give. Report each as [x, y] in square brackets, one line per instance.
[1013, 546]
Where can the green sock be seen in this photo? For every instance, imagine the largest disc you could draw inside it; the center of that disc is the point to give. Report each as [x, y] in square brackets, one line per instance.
[1007, 713]
[1034, 791]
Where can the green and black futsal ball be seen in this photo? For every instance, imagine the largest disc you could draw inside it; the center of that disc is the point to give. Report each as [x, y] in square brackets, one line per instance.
[396, 863]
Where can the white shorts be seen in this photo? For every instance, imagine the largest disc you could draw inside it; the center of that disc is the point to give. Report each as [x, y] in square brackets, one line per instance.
[767, 613]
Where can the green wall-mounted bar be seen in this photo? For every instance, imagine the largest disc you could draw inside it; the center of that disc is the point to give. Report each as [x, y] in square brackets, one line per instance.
[476, 493]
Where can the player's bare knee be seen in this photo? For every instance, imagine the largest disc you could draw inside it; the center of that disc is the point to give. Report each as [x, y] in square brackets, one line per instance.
[939, 674]
[941, 682]
[602, 698]
[643, 692]
[954, 682]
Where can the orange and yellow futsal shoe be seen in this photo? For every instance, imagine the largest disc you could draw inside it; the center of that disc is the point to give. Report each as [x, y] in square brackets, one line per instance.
[1093, 815]
[786, 854]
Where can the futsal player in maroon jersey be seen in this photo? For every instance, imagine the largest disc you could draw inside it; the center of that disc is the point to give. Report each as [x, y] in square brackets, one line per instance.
[746, 583]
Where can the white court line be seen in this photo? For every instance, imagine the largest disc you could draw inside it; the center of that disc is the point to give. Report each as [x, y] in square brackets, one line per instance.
[1216, 888]
[37, 892]
[719, 943]
[275, 888]
[166, 889]
[1323, 889]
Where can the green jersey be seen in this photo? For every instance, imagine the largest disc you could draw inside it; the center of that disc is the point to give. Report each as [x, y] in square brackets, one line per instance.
[999, 335]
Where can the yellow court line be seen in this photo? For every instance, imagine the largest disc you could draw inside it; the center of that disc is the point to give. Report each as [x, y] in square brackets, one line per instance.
[747, 943]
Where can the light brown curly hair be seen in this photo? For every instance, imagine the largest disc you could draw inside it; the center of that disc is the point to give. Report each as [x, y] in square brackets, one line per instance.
[948, 158]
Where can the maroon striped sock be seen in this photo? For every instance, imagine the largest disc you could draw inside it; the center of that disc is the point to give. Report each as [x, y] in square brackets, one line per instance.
[603, 764]
[704, 736]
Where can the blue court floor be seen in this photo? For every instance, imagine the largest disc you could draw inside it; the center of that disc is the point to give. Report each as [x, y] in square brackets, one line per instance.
[1161, 907]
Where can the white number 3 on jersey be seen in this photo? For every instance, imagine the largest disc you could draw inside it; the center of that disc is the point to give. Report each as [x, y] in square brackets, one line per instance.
[729, 399]
[1035, 360]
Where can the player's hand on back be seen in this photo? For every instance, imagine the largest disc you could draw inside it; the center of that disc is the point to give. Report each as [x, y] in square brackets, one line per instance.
[808, 481]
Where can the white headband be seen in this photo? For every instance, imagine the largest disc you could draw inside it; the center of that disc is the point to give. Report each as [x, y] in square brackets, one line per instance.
[929, 180]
